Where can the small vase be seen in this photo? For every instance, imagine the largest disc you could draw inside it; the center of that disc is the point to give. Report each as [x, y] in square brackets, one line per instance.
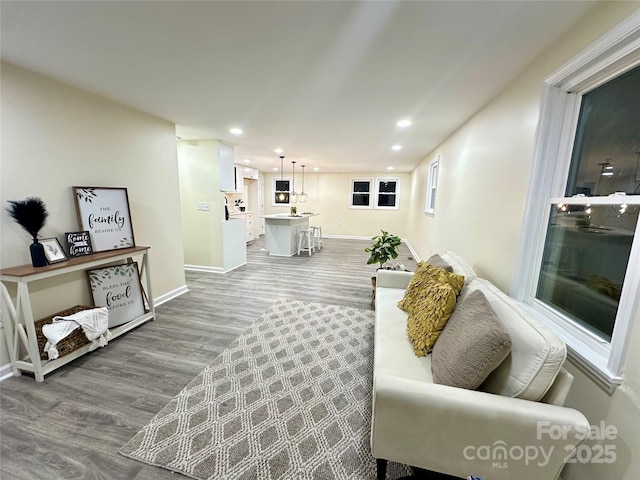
[37, 254]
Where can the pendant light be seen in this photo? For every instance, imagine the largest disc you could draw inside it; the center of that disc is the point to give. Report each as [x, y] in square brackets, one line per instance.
[293, 198]
[303, 196]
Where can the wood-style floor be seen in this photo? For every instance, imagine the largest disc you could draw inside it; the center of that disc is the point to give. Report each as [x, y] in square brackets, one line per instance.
[72, 425]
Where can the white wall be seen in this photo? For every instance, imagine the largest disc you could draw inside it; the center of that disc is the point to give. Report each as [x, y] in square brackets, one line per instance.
[200, 182]
[55, 136]
[329, 196]
[484, 175]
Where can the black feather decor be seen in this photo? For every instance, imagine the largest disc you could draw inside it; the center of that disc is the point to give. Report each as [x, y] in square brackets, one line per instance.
[31, 214]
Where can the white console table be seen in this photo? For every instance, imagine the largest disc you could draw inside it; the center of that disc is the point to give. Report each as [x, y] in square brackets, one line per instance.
[19, 326]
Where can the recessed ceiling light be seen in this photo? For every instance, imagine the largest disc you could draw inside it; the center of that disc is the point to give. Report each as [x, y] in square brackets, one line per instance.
[404, 123]
[275, 169]
[278, 150]
[236, 131]
[246, 160]
[389, 168]
[396, 148]
[315, 169]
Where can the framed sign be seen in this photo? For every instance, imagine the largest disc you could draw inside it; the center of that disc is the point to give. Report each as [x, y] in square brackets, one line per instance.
[78, 243]
[53, 250]
[118, 288]
[104, 213]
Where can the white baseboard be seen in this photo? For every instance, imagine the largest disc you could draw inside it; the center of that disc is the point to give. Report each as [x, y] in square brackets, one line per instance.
[5, 372]
[203, 268]
[414, 254]
[346, 237]
[170, 295]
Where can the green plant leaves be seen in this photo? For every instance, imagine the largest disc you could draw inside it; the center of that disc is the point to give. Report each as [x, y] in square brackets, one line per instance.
[384, 248]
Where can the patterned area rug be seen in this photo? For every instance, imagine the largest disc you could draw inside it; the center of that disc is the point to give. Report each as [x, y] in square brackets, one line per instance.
[289, 399]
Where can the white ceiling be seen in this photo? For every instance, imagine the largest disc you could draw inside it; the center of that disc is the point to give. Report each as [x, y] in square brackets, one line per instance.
[324, 80]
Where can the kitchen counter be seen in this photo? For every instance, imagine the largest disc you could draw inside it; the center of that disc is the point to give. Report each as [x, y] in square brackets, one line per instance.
[282, 230]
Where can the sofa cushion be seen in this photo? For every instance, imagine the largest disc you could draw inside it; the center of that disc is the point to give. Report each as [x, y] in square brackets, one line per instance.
[392, 351]
[437, 261]
[536, 354]
[459, 266]
[473, 343]
[424, 276]
[429, 315]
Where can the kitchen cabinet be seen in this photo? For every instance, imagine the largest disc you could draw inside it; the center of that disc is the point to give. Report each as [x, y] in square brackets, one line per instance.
[250, 173]
[250, 233]
[239, 173]
[228, 171]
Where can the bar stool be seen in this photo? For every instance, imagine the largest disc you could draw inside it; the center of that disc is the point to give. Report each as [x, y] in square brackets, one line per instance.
[316, 234]
[305, 241]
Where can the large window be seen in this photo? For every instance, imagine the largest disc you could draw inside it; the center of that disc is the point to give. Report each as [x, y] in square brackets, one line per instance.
[588, 242]
[281, 188]
[388, 191]
[579, 264]
[381, 193]
[361, 193]
[432, 185]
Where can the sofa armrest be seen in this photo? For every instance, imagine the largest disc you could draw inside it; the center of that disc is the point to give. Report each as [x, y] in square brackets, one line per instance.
[464, 432]
[393, 279]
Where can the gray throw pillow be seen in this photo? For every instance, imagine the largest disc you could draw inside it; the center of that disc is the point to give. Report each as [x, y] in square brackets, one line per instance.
[473, 343]
[437, 261]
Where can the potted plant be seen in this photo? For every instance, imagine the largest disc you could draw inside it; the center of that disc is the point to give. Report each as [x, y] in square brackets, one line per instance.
[384, 248]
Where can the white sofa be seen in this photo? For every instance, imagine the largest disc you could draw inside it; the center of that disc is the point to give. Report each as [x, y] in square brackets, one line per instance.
[520, 431]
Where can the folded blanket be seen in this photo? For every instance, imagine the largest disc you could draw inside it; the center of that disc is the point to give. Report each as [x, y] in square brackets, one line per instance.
[55, 332]
[94, 323]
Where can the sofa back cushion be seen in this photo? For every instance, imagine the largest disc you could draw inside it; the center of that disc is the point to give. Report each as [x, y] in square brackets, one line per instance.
[437, 261]
[536, 356]
[459, 266]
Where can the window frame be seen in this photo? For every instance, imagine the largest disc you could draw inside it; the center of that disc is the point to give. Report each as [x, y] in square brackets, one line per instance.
[352, 193]
[275, 179]
[396, 193]
[433, 171]
[614, 54]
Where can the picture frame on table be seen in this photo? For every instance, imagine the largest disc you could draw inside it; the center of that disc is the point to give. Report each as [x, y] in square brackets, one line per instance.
[104, 212]
[78, 243]
[53, 251]
[118, 288]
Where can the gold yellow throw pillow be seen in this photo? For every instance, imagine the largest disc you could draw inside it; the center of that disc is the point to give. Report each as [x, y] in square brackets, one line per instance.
[426, 274]
[429, 315]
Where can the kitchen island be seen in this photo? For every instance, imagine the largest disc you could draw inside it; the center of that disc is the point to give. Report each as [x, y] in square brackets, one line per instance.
[281, 232]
